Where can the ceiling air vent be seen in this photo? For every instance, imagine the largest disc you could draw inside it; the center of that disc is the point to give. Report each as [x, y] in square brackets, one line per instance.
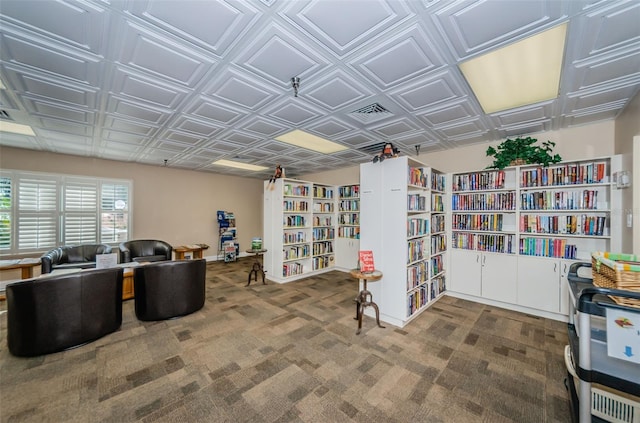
[370, 113]
[373, 148]
[4, 115]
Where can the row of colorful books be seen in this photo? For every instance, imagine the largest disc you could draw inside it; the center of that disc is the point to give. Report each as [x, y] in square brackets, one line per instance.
[479, 181]
[564, 224]
[548, 247]
[497, 243]
[570, 174]
[322, 192]
[560, 200]
[484, 201]
[477, 222]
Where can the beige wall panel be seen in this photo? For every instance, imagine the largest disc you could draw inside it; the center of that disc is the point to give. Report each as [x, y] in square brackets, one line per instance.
[174, 205]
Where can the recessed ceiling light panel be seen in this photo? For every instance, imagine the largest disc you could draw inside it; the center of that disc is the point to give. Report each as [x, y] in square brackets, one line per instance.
[310, 142]
[239, 165]
[525, 72]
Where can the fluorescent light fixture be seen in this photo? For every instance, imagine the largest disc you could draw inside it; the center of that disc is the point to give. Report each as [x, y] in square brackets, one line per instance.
[239, 165]
[311, 142]
[16, 128]
[522, 73]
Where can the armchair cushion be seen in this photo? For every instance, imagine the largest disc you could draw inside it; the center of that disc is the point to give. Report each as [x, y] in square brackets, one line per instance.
[169, 289]
[54, 313]
[77, 257]
[145, 250]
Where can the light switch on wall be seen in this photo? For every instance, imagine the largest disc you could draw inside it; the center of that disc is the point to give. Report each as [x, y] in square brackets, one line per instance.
[629, 220]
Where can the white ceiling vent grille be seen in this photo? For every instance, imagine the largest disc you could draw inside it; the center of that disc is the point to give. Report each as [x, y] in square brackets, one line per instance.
[373, 148]
[371, 113]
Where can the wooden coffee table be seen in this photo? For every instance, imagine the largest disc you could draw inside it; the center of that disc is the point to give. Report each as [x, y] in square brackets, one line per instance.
[181, 249]
[26, 266]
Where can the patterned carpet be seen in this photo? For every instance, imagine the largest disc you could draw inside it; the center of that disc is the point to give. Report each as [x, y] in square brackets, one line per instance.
[289, 353]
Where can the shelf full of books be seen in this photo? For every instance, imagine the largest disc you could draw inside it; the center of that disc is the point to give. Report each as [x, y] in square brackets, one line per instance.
[348, 233]
[527, 216]
[403, 223]
[301, 223]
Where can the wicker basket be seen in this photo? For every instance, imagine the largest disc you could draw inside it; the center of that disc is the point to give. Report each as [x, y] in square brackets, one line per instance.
[617, 271]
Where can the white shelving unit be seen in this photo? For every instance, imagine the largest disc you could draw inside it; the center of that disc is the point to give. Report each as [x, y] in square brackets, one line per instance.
[396, 202]
[288, 221]
[348, 236]
[299, 229]
[323, 235]
[516, 232]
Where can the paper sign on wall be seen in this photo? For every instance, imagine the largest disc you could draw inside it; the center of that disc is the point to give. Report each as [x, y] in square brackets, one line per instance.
[623, 335]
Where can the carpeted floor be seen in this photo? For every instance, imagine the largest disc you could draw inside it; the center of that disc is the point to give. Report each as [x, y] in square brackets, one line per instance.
[289, 353]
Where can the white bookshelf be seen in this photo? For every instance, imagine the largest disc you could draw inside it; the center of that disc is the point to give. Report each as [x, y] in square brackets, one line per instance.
[395, 219]
[300, 229]
[515, 232]
[348, 236]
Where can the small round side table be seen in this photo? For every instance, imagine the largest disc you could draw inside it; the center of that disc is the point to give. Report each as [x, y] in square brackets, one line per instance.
[257, 266]
[364, 298]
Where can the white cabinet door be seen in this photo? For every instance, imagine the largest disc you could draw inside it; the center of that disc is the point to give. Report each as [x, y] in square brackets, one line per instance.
[465, 272]
[346, 253]
[539, 283]
[564, 285]
[499, 272]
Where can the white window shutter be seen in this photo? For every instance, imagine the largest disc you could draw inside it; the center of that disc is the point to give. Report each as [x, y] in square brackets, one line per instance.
[37, 202]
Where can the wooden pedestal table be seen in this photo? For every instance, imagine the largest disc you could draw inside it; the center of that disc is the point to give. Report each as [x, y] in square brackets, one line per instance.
[182, 249]
[364, 298]
[257, 266]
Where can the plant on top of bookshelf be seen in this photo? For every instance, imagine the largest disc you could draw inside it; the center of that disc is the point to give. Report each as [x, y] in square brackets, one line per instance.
[521, 151]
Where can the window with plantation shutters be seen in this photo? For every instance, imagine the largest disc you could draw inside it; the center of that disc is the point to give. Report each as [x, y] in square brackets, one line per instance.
[40, 211]
[5, 212]
[114, 213]
[80, 212]
[37, 213]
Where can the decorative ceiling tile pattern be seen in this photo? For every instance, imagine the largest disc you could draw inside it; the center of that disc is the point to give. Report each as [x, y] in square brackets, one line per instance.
[190, 81]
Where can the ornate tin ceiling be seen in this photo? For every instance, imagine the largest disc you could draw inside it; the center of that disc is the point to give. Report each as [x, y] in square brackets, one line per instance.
[191, 82]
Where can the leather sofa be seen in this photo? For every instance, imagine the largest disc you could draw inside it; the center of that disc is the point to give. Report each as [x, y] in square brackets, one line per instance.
[145, 250]
[56, 312]
[74, 257]
[169, 289]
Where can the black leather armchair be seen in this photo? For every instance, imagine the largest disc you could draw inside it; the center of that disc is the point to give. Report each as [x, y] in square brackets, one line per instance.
[53, 313]
[169, 289]
[75, 257]
[145, 250]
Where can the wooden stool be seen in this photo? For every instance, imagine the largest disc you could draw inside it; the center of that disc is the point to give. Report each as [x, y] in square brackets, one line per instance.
[364, 298]
[257, 266]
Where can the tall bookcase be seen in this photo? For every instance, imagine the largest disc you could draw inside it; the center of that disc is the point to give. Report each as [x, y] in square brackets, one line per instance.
[348, 237]
[299, 229]
[323, 227]
[515, 232]
[400, 200]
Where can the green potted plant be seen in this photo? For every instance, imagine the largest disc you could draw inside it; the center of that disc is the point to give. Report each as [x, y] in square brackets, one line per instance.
[519, 151]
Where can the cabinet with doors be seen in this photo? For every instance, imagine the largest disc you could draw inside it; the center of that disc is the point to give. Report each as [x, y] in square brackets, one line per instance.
[348, 237]
[535, 222]
[484, 274]
[396, 218]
